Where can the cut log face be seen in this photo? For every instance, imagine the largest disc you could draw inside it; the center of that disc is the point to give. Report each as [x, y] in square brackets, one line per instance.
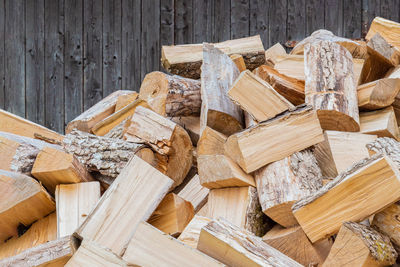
[218, 73]
[291, 66]
[191, 234]
[151, 247]
[23, 201]
[382, 122]
[239, 62]
[330, 86]
[195, 193]
[274, 139]
[283, 182]
[192, 126]
[380, 45]
[388, 29]
[124, 100]
[185, 60]
[211, 142]
[340, 150]
[364, 189]
[234, 246]
[378, 94]
[257, 97]
[359, 245]
[273, 52]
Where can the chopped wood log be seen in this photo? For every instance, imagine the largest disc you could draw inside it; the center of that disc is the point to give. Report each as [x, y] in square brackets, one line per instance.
[382, 122]
[23, 201]
[234, 246]
[151, 247]
[248, 120]
[273, 52]
[387, 146]
[240, 206]
[211, 142]
[96, 113]
[74, 203]
[378, 94]
[375, 67]
[165, 137]
[290, 88]
[52, 253]
[291, 66]
[195, 193]
[340, 150]
[389, 30]
[41, 231]
[53, 167]
[191, 233]
[218, 73]
[359, 245]
[330, 86]
[274, 139]
[11, 123]
[172, 215]
[239, 62]
[186, 60]
[124, 100]
[192, 126]
[204, 210]
[257, 97]
[132, 197]
[380, 45]
[367, 187]
[8, 148]
[281, 183]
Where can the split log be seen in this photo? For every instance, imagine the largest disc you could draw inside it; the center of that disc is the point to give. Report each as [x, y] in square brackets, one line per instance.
[53, 167]
[132, 198]
[291, 66]
[382, 122]
[204, 210]
[386, 146]
[23, 201]
[330, 86]
[364, 189]
[389, 30]
[380, 45]
[290, 88]
[74, 203]
[273, 52]
[40, 232]
[248, 120]
[359, 245]
[274, 139]
[375, 66]
[185, 60]
[165, 137]
[240, 206]
[192, 126]
[257, 97]
[195, 193]
[218, 73]
[239, 62]
[151, 247]
[11, 123]
[340, 150]
[211, 142]
[172, 215]
[97, 113]
[124, 100]
[378, 94]
[53, 253]
[234, 246]
[171, 95]
[190, 235]
[281, 183]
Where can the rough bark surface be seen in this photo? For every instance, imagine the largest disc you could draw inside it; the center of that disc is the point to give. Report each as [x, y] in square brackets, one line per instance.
[256, 221]
[388, 222]
[387, 146]
[24, 158]
[118, 131]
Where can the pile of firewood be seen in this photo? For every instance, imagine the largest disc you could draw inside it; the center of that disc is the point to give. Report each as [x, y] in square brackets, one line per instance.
[239, 157]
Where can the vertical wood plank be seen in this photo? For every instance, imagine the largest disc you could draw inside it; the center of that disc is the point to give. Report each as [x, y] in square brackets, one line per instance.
[240, 18]
[15, 56]
[314, 16]
[131, 18]
[370, 9]
[92, 53]
[390, 9]
[277, 22]
[352, 24]
[203, 21]
[167, 22]
[334, 16]
[259, 21]
[112, 25]
[2, 53]
[34, 55]
[73, 77]
[54, 64]
[183, 22]
[296, 20]
[222, 20]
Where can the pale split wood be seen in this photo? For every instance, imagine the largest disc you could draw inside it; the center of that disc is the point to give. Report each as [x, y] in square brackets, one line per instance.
[388, 29]
[195, 193]
[381, 122]
[375, 67]
[191, 233]
[124, 100]
[272, 53]
[379, 44]
[291, 66]
[239, 62]
[378, 94]
[211, 142]
[192, 126]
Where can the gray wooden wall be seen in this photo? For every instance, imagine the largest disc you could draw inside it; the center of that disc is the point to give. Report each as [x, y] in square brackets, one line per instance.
[59, 57]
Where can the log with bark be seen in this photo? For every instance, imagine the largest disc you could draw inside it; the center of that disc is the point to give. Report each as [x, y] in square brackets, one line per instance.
[389, 30]
[387, 146]
[192, 126]
[381, 122]
[380, 45]
[378, 94]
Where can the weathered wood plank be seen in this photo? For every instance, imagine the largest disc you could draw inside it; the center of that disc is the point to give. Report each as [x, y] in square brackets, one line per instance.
[203, 21]
[390, 9]
[352, 21]
[296, 20]
[183, 28]
[277, 22]
[259, 23]
[314, 20]
[240, 20]
[167, 22]
[334, 16]
[222, 21]
[2, 53]
[370, 10]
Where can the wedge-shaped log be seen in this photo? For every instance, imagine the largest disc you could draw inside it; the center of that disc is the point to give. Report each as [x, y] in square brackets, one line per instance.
[388, 29]
[382, 122]
[124, 100]
[74, 203]
[52, 253]
[23, 201]
[332, 92]
[186, 60]
[151, 247]
[41, 231]
[387, 222]
[340, 150]
[291, 65]
[234, 246]
[11, 123]
[240, 206]
[131, 198]
[195, 193]
[172, 215]
[239, 62]
[192, 126]
[375, 66]
[281, 183]
[96, 113]
[274, 139]
[387, 146]
[378, 94]
[211, 142]
[53, 167]
[257, 97]
[273, 52]
[364, 189]
[218, 73]
[165, 137]
[8, 148]
[380, 45]
[191, 233]
[360, 245]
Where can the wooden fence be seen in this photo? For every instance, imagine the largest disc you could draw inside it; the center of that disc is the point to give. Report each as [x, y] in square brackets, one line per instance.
[59, 57]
